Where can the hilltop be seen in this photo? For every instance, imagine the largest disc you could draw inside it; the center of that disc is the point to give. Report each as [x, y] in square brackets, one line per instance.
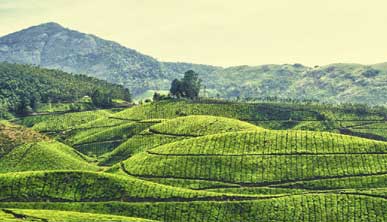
[51, 45]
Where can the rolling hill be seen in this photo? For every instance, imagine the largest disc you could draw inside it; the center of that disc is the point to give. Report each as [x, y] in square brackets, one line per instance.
[196, 161]
[174, 130]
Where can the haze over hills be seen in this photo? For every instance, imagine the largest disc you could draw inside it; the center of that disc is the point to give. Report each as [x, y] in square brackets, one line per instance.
[53, 46]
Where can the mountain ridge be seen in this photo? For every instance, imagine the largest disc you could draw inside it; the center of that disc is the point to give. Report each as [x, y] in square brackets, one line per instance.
[52, 46]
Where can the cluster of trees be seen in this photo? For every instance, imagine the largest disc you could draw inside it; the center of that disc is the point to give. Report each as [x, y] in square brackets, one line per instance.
[187, 87]
[24, 87]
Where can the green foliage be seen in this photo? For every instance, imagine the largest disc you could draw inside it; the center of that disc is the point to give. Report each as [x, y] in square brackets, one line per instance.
[200, 125]
[54, 122]
[275, 115]
[12, 136]
[85, 186]
[175, 130]
[102, 99]
[175, 162]
[335, 83]
[313, 207]
[9, 215]
[50, 155]
[106, 139]
[188, 87]
[262, 157]
[24, 87]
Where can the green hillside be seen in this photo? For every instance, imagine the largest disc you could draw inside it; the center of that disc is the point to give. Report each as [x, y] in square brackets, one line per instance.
[24, 87]
[174, 130]
[314, 207]
[48, 155]
[262, 158]
[197, 161]
[10, 215]
[85, 186]
[334, 83]
[12, 135]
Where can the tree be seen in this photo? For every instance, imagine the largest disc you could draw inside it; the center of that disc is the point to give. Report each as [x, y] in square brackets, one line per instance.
[188, 87]
[176, 88]
[24, 107]
[102, 99]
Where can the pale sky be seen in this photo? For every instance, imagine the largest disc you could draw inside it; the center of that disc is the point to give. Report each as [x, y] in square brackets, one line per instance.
[221, 32]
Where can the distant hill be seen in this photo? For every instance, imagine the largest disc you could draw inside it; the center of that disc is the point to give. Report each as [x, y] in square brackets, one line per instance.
[53, 46]
[336, 83]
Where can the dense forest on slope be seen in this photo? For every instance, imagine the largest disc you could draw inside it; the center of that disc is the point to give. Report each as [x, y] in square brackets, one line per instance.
[23, 87]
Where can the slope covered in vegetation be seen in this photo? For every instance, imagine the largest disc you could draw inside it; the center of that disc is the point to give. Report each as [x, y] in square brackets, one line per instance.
[10, 215]
[12, 135]
[173, 130]
[47, 155]
[197, 161]
[24, 87]
[260, 158]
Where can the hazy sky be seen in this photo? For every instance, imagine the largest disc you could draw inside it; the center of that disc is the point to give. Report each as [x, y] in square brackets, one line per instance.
[221, 32]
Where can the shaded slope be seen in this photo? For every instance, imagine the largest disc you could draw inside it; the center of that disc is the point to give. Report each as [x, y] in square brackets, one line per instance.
[50, 155]
[65, 186]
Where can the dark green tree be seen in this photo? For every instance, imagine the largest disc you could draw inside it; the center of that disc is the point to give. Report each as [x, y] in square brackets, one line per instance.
[102, 99]
[176, 88]
[188, 87]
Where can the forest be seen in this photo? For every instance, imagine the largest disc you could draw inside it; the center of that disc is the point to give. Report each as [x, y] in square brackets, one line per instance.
[24, 87]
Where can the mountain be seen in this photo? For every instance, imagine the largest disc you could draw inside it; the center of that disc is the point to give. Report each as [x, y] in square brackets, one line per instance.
[52, 46]
[335, 83]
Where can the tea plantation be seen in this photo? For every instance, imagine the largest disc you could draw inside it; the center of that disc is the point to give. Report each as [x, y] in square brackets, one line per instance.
[197, 161]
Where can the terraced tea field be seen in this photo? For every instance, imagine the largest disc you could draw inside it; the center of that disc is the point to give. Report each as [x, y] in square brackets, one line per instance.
[185, 161]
